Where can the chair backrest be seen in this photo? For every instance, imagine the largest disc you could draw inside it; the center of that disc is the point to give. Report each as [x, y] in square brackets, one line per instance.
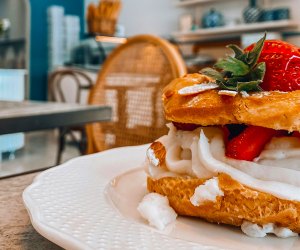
[68, 85]
[131, 81]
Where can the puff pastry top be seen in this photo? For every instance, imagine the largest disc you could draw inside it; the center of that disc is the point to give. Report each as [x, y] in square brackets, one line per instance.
[271, 109]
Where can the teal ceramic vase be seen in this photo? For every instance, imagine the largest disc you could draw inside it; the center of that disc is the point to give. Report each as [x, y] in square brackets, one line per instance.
[252, 13]
[212, 19]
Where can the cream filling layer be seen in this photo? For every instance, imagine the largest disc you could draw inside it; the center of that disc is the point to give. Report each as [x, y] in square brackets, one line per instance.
[201, 153]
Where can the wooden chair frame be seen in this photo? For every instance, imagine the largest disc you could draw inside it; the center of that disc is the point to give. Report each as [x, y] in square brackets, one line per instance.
[178, 69]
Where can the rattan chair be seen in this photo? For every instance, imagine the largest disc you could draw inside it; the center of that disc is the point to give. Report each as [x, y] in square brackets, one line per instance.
[131, 81]
[61, 83]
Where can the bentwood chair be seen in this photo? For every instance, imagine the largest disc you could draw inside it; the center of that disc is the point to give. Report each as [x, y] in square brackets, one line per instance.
[131, 81]
[70, 85]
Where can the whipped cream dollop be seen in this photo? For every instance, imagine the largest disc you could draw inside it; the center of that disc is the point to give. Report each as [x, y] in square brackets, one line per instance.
[201, 153]
[206, 192]
[156, 210]
[254, 230]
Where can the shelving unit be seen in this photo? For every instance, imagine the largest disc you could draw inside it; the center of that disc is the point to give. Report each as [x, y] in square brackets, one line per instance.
[227, 32]
[185, 3]
[194, 2]
[232, 31]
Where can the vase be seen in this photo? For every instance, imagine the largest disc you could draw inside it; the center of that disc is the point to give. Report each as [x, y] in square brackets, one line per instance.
[282, 13]
[212, 19]
[252, 13]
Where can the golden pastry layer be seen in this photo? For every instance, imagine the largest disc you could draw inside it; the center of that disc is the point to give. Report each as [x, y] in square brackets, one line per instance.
[271, 109]
[239, 203]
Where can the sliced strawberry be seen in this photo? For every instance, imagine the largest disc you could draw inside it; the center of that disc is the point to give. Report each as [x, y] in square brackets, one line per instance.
[282, 65]
[250, 143]
[235, 130]
[185, 126]
[296, 134]
[282, 133]
[232, 130]
[226, 134]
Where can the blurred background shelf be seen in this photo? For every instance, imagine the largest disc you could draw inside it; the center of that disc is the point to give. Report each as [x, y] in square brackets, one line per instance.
[232, 31]
[187, 3]
[194, 2]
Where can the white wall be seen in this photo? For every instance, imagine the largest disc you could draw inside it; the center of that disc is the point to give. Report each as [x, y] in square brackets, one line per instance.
[15, 11]
[158, 17]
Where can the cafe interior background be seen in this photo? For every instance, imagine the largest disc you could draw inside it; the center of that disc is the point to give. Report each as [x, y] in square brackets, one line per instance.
[42, 37]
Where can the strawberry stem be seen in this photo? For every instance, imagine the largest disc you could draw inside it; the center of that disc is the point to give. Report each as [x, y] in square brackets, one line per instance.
[241, 72]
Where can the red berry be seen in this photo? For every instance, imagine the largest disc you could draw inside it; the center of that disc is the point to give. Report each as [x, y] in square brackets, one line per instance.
[249, 144]
[282, 65]
[296, 134]
[185, 126]
[226, 134]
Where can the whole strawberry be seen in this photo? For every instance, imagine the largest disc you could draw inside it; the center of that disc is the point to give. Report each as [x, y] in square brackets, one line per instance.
[265, 65]
[282, 65]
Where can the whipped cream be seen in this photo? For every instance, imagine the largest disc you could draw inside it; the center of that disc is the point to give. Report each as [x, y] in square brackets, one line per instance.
[207, 192]
[254, 230]
[201, 153]
[156, 209]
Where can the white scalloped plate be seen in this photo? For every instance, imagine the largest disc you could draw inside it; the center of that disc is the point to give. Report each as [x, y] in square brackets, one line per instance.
[90, 203]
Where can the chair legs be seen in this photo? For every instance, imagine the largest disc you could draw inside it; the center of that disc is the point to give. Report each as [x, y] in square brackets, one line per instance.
[61, 144]
[81, 144]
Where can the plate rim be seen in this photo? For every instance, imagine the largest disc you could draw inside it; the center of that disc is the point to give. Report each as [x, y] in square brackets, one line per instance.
[34, 212]
[65, 240]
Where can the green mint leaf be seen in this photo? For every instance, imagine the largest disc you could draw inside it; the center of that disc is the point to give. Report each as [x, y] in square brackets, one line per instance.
[233, 65]
[212, 73]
